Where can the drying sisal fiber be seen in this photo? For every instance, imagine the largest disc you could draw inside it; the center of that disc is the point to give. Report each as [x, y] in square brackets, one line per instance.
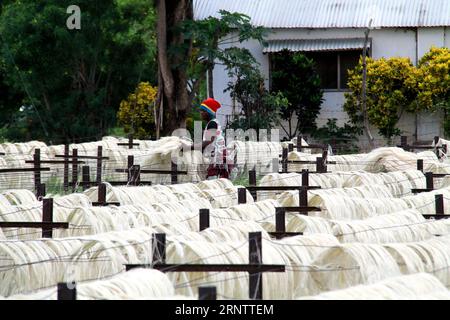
[368, 263]
[134, 284]
[411, 287]
[404, 226]
[250, 155]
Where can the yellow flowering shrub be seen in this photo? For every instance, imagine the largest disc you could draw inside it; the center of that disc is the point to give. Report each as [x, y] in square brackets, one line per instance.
[391, 89]
[434, 77]
[137, 111]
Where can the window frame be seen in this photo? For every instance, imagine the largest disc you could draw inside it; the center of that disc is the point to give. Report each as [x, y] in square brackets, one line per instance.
[338, 57]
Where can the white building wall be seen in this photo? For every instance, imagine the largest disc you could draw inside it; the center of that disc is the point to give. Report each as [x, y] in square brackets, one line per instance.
[389, 42]
[447, 37]
[428, 37]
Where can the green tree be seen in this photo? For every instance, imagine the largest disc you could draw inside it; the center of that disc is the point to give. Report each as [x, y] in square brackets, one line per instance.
[210, 37]
[187, 51]
[296, 77]
[74, 80]
[260, 108]
[434, 83]
[391, 91]
[10, 100]
[136, 114]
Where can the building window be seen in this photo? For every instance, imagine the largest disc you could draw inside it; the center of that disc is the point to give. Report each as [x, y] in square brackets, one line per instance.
[333, 67]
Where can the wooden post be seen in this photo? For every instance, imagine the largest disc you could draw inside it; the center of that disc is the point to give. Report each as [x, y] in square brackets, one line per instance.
[404, 142]
[47, 216]
[135, 175]
[37, 166]
[320, 166]
[74, 169]
[255, 257]
[284, 160]
[280, 220]
[305, 178]
[252, 182]
[67, 291]
[102, 193]
[299, 143]
[86, 177]
[99, 164]
[325, 155]
[204, 219]
[41, 192]
[252, 177]
[429, 179]
[439, 202]
[66, 168]
[207, 293]
[130, 163]
[174, 173]
[420, 165]
[242, 195]
[130, 141]
[158, 248]
[303, 197]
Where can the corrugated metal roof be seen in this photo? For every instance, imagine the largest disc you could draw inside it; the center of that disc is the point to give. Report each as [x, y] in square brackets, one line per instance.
[332, 13]
[314, 45]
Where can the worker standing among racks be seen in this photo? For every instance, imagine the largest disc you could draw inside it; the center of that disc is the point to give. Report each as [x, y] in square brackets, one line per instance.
[213, 142]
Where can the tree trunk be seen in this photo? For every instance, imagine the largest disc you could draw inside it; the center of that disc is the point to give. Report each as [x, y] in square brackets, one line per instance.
[172, 89]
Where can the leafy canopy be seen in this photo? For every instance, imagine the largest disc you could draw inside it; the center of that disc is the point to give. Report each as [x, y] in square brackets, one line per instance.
[136, 113]
[260, 108]
[75, 78]
[391, 90]
[296, 77]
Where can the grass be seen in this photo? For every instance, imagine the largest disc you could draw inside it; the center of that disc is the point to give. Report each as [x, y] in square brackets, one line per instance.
[242, 179]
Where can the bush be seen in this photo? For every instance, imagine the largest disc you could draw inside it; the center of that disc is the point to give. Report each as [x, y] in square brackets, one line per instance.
[136, 114]
[260, 108]
[296, 77]
[341, 139]
[391, 90]
[434, 83]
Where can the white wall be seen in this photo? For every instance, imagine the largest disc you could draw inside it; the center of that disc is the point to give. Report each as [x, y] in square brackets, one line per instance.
[429, 37]
[447, 37]
[389, 42]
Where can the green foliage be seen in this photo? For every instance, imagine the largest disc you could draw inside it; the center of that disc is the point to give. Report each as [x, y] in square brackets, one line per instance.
[434, 78]
[209, 37]
[260, 108]
[117, 132]
[434, 83]
[341, 139]
[75, 78]
[391, 91]
[296, 77]
[10, 100]
[137, 112]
